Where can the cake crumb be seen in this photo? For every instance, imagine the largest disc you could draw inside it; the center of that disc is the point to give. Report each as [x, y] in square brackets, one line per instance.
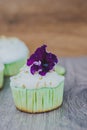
[37, 85]
[23, 86]
[26, 72]
[44, 84]
[40, 78]
[50, 83]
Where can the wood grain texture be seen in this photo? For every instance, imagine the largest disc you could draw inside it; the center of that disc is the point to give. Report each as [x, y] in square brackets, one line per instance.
[43, 11]
[62, 25]
[71, 116]
[63, 39]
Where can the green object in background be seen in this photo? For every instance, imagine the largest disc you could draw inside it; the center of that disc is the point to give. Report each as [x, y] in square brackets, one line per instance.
[1, 78]
[14, 67]
[38, 100]
[60, 70]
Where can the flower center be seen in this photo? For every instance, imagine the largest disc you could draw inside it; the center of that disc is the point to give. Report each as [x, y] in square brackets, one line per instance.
[45, 65]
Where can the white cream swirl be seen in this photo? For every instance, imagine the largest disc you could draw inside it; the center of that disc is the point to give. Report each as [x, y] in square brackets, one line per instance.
[12, 49]
[27, 80]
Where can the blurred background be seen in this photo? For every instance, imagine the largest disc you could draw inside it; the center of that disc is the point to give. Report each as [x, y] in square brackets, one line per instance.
[62, 25]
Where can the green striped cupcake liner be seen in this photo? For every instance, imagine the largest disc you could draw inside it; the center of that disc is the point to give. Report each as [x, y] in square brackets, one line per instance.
[1, 78]
[38, 100]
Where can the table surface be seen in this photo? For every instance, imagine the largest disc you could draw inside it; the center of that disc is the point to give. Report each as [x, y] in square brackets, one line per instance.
[71, 116]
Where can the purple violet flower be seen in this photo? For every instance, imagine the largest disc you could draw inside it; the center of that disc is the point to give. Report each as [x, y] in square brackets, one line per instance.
[42, 61]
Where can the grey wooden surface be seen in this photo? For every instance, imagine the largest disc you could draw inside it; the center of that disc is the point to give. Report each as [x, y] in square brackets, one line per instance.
[71, 116]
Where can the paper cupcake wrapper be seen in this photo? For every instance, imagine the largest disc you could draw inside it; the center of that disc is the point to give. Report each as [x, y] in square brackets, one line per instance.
[1, 78]
[38, 100]
[13, 68]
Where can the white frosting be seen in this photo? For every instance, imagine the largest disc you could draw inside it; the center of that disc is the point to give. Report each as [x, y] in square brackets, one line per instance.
[12, 49]
[27, 80]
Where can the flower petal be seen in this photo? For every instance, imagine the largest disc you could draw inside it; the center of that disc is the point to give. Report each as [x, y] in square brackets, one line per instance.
[31, 60]
[42, 61]
[51, 65]
[51, 58]
[40, 52]
[34, 68]
[43, 73]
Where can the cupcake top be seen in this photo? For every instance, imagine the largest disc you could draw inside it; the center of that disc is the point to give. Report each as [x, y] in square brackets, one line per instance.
[25, 79]
[1, 65]
[12, 49]
[39, 71]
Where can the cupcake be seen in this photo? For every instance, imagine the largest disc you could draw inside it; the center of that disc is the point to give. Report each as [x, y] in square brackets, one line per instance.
[38, 87]
[1, 74]
[60, 70]
[14, 54]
